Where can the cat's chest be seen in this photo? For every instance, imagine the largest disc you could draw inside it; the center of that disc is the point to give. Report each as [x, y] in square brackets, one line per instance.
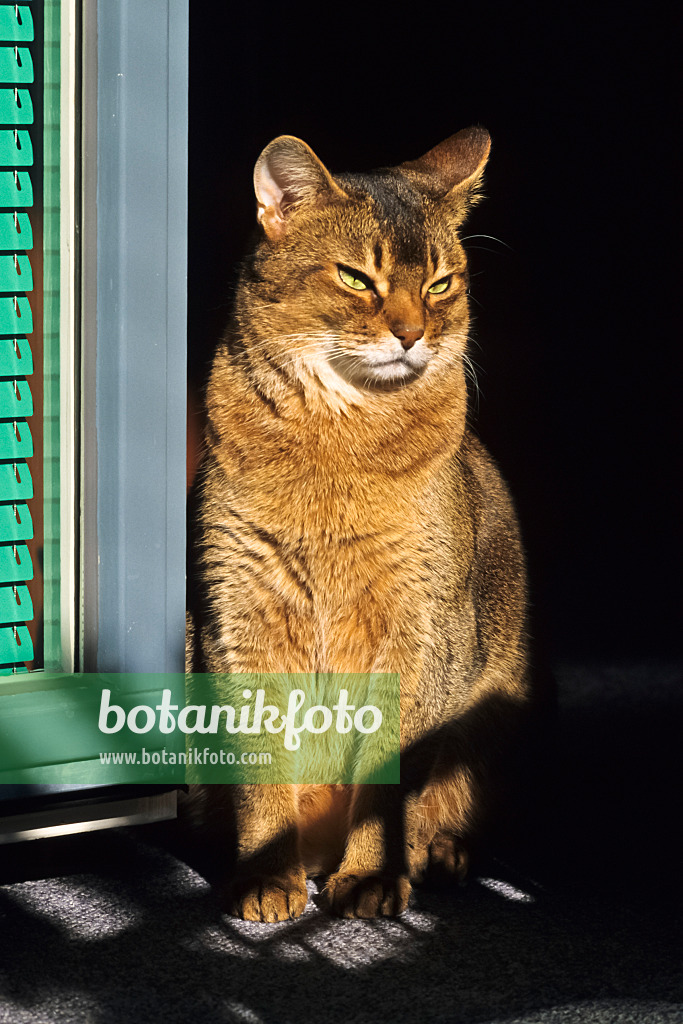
[364, 595]
[361, 569]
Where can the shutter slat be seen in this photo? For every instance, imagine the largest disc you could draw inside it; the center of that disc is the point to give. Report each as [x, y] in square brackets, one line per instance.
[16, 65]
[15, 563]
[16, 106]
[15, 231]
[15, 148]
[16, 400]
[15, 523]
[15, 644]
[16, 23]
[15, 273]
[15, 441]
[16, 358]
[16, 189]
[15, 604]
[16, 316]
[15, 481]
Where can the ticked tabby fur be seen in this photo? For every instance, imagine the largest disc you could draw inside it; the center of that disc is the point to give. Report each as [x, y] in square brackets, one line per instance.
[349, 521]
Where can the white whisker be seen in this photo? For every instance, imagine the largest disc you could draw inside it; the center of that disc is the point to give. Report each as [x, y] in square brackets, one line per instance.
[491, 238]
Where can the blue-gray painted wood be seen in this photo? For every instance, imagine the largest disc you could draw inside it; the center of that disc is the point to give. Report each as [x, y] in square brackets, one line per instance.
[142, 74]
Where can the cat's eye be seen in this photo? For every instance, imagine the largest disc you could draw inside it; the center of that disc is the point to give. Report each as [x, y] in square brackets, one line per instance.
[354, 279]
[439, 286]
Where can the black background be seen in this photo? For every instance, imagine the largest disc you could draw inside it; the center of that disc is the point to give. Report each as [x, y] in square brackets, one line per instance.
[577, 325]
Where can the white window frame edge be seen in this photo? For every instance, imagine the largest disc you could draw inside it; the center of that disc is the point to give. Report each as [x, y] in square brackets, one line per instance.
[69, 212]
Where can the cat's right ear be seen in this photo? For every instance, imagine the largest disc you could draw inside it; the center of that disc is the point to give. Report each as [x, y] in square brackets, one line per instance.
[453, 169]
[288, 175]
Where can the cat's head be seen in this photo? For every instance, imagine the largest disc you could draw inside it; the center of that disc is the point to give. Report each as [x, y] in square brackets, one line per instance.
[363, 276]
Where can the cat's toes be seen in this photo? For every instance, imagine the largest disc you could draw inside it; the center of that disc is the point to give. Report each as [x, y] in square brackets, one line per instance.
[448, 859]
[371, 895]
[444, 859]
[267, 898]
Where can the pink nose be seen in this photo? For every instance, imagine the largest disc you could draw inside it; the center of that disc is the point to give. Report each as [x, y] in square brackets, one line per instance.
[407, 335]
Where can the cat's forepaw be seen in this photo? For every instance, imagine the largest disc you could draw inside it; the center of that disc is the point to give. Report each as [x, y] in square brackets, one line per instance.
[371, 895]
[267, 898]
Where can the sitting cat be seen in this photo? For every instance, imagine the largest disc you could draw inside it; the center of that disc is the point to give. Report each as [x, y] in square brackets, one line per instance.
[348, 521]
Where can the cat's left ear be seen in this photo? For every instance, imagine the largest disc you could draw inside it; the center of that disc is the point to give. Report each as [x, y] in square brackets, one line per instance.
[455, 167]
[287, 176]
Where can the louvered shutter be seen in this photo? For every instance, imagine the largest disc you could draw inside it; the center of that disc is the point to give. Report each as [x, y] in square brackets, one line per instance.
[16, 327]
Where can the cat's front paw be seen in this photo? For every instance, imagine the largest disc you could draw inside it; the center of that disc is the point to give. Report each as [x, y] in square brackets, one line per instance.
[367, 895]
[267, 898]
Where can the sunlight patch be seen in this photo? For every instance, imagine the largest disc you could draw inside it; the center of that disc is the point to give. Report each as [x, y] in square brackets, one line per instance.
[507, 891]
[352, 944]
[76, 906]
[243, 1013]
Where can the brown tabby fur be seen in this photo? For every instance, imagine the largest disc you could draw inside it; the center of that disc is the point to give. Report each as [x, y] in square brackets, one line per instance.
[349, 521]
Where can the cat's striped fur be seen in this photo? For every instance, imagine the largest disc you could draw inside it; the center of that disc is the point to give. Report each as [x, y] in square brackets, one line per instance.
[349, 521]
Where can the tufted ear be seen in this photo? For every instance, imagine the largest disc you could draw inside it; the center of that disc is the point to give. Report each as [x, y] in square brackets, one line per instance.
[288, 175]
[454, 167]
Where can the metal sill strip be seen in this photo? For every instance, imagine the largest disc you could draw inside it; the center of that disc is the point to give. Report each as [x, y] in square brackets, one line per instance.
[61, 821]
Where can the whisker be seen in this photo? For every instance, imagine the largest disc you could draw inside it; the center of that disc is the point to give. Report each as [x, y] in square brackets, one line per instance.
[491, 238]
[470, 368]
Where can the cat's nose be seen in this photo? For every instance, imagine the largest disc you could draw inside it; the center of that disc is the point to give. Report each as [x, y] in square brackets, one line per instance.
[407, 335]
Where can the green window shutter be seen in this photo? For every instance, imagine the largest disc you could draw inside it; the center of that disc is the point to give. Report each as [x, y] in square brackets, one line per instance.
[16, 327]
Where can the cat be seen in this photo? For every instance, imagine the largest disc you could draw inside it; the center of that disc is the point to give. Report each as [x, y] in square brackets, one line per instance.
[348, 520]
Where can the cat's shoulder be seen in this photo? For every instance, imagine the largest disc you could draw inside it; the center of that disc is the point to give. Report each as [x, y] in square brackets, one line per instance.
[483, 479]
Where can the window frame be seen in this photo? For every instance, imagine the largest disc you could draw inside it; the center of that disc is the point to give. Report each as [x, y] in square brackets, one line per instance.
[124, 161]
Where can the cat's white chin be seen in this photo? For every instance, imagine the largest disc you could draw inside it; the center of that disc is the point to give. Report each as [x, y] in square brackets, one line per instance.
[396, 370]
[386, 363]
[402, 367]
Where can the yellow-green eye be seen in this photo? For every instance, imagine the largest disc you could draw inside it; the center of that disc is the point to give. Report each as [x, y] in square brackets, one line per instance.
[358, 283]
[439, 286]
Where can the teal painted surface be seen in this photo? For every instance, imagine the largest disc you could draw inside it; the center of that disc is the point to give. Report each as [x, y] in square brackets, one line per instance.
[52, 735]
[15, 442]
[16, 190]
[15, 275]
[16, 106]
[15, 644]
[16, 358]
[16, 233]
[15, 523]
[15, 148]
[16, 23]
[15, 481]
[16, 65]
[15, 604]
[15, 564]
[15, 316]
[16, 401]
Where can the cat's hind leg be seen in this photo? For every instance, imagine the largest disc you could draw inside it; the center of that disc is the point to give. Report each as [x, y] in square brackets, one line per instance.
[444, 859]
[438, 826]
